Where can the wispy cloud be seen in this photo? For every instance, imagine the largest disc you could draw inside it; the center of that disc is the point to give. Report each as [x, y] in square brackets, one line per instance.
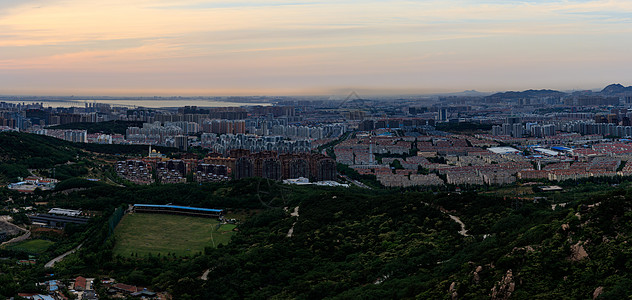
[231, 4]
[306, 43]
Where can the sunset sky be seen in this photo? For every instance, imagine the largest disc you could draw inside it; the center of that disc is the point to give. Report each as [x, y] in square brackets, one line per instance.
[185, 47]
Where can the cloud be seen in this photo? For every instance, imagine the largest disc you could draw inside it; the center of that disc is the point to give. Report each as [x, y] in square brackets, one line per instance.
[230, 4]
[300, 42]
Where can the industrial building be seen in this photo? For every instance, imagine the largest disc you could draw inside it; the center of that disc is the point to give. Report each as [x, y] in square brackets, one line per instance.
[59, 218]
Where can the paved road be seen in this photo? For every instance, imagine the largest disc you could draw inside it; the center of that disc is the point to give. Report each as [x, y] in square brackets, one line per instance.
[57, 259]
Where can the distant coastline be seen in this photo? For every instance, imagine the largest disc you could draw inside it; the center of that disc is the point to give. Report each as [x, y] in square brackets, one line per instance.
[131, 102]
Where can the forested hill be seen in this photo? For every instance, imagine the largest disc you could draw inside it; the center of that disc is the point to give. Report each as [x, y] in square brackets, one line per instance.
[22, 151]
[20, 147]
[392, 247]
[308, 242]
[525, 94]
[352, 243]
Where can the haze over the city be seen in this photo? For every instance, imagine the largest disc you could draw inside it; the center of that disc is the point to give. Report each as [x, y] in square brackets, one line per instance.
[197, 47]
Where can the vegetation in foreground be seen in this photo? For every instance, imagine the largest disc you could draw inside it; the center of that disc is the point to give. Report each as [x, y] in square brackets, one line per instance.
[35, 246]
[351, 243]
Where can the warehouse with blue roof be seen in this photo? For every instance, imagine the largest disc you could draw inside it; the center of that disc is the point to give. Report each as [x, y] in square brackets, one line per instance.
[561, 149]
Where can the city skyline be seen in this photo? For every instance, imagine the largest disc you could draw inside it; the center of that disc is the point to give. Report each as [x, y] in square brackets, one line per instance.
[246, 48]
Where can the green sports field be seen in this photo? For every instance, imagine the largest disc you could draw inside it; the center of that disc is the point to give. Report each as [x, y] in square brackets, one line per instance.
[31, 246]
[142, 234]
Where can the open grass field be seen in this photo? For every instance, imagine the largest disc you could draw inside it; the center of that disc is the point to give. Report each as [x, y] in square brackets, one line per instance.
[162, 234]
[31, 246]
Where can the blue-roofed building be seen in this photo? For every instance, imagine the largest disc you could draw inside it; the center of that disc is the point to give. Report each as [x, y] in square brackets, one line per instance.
[53, 286]
[178, 210]
[561, 149]
[37, 297]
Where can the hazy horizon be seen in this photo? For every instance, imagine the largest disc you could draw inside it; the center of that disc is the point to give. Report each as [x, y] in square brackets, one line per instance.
[292, 48]
[337, 93]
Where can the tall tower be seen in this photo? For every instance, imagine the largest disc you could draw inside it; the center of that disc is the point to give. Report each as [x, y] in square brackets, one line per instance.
[371, 150]
[443, 114]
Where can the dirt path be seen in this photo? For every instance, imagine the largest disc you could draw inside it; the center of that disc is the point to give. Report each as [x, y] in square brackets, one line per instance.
[205, 275]
[108, 179]
[293, 214]
[454, 218]
[13, 229]
[17, 239]
[463, 231]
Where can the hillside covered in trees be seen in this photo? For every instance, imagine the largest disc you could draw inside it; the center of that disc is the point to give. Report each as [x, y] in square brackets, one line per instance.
[346, 243]
[20, 152]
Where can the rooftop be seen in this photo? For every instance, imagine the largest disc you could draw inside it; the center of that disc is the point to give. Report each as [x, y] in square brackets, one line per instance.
[503, 150]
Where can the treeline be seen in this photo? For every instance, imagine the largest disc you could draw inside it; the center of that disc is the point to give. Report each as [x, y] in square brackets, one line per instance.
[252, 193]
[22, 151]
[348, 242]
[354, 243]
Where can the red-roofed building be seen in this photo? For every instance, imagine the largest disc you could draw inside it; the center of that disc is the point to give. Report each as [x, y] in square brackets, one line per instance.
[27, 295]
[80, 283]
[126, 288]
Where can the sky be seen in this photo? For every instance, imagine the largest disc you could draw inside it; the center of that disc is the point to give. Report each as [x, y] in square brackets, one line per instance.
[313, 47]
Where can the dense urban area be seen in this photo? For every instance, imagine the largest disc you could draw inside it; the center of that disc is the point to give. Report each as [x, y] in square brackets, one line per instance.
[520, 195]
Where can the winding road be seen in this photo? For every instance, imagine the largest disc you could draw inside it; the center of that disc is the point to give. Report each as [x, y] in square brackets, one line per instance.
[57, 259]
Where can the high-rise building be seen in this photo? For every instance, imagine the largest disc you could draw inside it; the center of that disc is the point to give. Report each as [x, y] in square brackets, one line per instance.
[181, 142]
[513, 120]
[536, 131]
[443, 114]
[366, 125]
[244, 167]
[548, 130]
[517, 130]
[271, 168]
[507, 129]
[497, 130]
[77, 136]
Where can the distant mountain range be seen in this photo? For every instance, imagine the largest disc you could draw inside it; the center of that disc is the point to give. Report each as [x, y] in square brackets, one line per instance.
[614, 89]
[610, 90]
[468, 93]
[526, 94]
